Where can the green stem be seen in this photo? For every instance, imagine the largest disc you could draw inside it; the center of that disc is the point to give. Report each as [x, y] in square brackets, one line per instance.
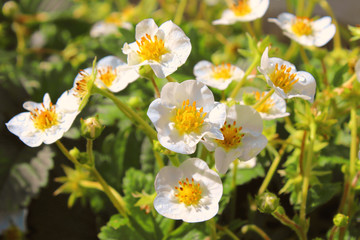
[252, 227]
[272, 170]
[247, 73]
[264, 99]
[89, 151]
[332, 232]
[128, 112]
[174, 160]
[300, 7]
[212, 225]
[306, 176]
[171, 79]
[292, 50]
[66, 153]
[158, 159]
[291, 224]
[228, 232]
[310, 8]
[180, 12]
[157, 92]
[119, 205]
[304, 56]
[250, 29]
[337, 38]
[354, 144]
[233, 189]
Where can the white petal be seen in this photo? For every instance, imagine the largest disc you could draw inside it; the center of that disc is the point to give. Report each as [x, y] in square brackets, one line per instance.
[304, 88]
[222, 161]
[147, 26]
[324, 36]
[110, 61]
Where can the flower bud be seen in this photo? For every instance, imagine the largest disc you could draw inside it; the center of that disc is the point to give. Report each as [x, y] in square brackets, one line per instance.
[134, 102]
[91, 127]
[10, 9]
[267, 202]
[340, 220]
[249, 98]
[146, 72]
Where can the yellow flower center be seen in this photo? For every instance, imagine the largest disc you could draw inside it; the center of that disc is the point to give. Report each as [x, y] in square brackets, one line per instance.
[282, 78]
[302, 26]
[242, 8]
[151, 48]
[107, 75]
[188, 118]
[44, 118]
[266, 106]
[232, 136]
[222, 71]
[81, 88]
[114, 18]
[188, 193]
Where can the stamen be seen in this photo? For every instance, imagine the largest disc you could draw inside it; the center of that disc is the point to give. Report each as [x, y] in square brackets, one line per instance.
[188, 118]
[242, 8]
[190, 193]
[232, 136]
[81, 88]
[151, 48]
[223, 71]
[282, 78]
[107, 75]
[266, 106]
[44, 118]
[302, 26]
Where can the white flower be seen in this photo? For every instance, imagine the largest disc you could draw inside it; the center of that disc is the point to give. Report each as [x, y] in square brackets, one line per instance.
[184, 114]
[287, 82]
[114, 74]
[274, 107]
[217, 76]
[44, 123]
[243, 11]
[307, 32]
[243, 138]
[190, 192]
[164, 48]
[110, 25]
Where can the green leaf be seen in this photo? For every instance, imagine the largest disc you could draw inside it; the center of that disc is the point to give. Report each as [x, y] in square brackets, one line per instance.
[117, 228]
[320, 194]
[188, 231]
[339, 75]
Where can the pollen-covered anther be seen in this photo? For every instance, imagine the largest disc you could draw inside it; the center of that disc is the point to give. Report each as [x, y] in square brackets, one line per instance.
[188, 192]
[302, 26]
[265, 106]
[107, 75]
[242, 8]
[44, 118]
[282, 78]
[188, 118]
[81, 88]
[151, 48]
[223, 71]
[232, 135]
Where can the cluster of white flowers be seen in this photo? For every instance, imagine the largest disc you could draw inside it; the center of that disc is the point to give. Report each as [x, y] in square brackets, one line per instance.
[186, 113]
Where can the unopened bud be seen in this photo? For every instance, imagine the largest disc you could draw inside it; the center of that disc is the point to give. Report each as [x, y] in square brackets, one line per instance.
[340, 220]
[10, 9]
[249, 98]
[267, 202]
[91, 127]
[75, 153]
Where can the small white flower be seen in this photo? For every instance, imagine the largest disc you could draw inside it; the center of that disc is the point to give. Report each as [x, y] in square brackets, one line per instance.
[164, 48]
[114, 74]
[243, 11]
[243, 138]
[307, 32]
[184, 114]
[287, 82]
[219, 76]
[190, 192]
[272, 108]
[110, 25]
[44, 123]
